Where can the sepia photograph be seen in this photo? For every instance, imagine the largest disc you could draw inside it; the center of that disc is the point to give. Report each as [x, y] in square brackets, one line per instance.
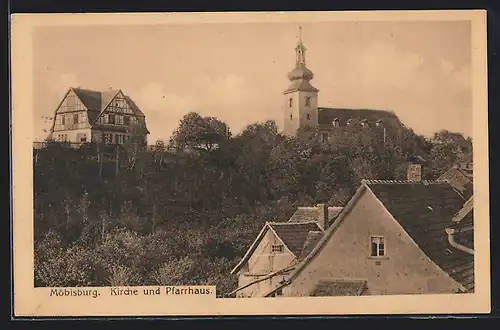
[244, 155]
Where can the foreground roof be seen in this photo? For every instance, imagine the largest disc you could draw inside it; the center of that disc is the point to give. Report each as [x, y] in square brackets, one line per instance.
[339, 288]
[294, 235]
[424, 210]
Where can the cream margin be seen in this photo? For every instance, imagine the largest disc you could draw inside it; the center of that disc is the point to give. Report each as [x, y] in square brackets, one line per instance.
[30, 301]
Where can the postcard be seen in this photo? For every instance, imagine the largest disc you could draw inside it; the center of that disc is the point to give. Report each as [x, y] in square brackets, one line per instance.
[264, 163]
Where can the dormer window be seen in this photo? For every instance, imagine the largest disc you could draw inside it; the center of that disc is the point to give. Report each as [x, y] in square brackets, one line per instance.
[308, 101]
[277, 248]
[348, 122]
[364, 123]
[290, 102]
[336, 122]
[379, 123]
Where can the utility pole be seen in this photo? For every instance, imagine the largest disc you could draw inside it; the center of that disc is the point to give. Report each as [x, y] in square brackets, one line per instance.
[117, 159]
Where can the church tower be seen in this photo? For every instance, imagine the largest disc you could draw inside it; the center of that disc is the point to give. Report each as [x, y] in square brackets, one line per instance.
[301, 98]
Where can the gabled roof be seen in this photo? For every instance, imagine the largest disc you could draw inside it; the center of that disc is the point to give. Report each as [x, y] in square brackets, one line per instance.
[424, 210]
[97, 101]
[293, 236]
[311, 213]
[339, 288]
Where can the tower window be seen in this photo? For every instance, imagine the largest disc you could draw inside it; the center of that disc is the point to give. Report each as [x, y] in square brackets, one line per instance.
[308, 116]
[291, 117]
[290, 102]
[308, 101]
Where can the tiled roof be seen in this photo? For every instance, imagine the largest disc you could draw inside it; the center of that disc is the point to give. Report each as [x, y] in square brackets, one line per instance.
[339, 288]
[461, 179]
[97, 101]
[425, 210]
[311, 213]
[294, 235]
[327, 115]
[312, 239]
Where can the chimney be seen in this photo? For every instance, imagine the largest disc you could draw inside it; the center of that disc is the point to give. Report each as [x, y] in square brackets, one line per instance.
[323, 216]
[414, 172]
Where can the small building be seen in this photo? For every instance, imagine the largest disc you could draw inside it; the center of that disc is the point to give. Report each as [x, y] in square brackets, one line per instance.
[279, 247]
[460, 176]
[392, 237]
[109, 116]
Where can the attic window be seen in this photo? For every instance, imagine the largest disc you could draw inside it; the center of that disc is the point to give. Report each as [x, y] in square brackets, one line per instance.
[277, 248]
[377, 246]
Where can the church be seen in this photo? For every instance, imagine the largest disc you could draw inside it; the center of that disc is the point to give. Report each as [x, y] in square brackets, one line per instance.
[301, 108]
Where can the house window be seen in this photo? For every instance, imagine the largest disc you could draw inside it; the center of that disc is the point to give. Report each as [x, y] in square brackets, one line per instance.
[308, 101]
[119, 119]
[112, 119]
[290, 102]
[278, 248]
[63, 120]
[75, 118]
[120, 138]
[377, 246]
[126, 120]
[324, 137]
[107, 138]
[106, 119]
[308, 116]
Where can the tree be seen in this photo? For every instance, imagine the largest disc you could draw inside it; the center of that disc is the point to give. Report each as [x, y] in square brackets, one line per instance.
[199, 133]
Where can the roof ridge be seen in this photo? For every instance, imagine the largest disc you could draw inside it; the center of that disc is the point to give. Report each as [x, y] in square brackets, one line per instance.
[292, 223]
[423, 182]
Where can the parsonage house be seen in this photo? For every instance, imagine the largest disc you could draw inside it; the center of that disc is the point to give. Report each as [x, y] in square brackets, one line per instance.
[99, 116]
[392, 237]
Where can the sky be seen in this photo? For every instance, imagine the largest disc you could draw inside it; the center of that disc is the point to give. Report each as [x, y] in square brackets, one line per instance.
[237, 72]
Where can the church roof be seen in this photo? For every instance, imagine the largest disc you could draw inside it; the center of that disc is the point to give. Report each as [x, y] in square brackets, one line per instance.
[326, 116]
[300, 85]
